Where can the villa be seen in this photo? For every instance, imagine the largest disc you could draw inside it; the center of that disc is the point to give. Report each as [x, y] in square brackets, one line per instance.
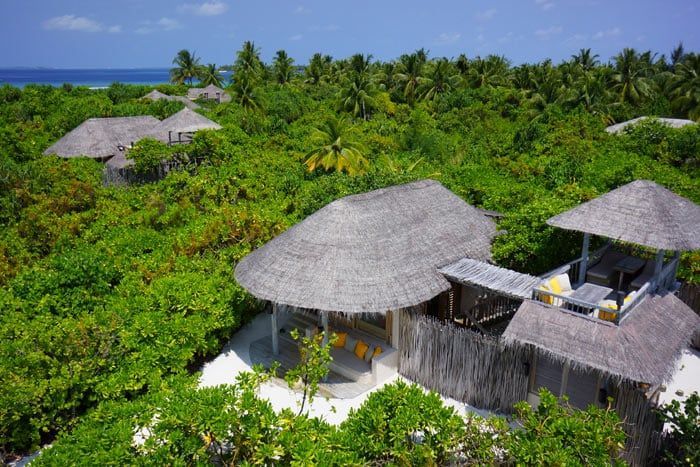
[210, 92]
[403, 277]
[156, 95]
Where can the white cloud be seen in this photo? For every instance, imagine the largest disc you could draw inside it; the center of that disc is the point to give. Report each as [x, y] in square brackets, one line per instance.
[448, 38]
[214, 8]
[114, 29]
[577, 38]
[168, 24]
[302, 10]
[73, 23]
[486, 15]
[613, 32]
[546, 34]
[544, 4]
[163, 24]
[296, 37]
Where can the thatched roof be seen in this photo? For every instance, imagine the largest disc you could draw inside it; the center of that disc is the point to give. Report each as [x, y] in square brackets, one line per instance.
[99, 138]
[672, 122]
[502, 281]
[119, 161]
[371, 252]
[210, 91]
[640, 212]
[185, 121]
[156, 95]
[642, 348]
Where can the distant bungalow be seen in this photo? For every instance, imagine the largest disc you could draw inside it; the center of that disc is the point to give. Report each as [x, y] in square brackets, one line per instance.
[671, 122]
[210, 92]
[107, 139]
[403, 276]
[156, 95]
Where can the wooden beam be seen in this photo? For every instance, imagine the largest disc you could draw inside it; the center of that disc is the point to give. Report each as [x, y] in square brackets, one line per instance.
[275, 331]
[584, 259]
[324, 323]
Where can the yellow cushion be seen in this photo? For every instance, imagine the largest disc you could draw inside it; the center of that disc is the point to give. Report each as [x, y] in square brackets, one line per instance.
[361, 349]
[377, 351]
[555, 286]
[545, 298]
[340, 339]
[608, 315]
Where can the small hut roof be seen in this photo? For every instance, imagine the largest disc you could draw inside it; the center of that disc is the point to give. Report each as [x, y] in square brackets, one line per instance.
[503, 281]
[640, 212]
[156, 95]
[119, 161]
[371, 252]
[210, 90]
[672, 122]
[185, 121]
[100, 137]
[642, 348]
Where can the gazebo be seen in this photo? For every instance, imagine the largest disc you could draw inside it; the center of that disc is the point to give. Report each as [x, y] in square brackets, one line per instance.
[210, 92]
[368, 253]
[641, 213]
[183, 124]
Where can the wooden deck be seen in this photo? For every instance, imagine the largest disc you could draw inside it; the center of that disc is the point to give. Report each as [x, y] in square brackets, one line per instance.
[335, 386]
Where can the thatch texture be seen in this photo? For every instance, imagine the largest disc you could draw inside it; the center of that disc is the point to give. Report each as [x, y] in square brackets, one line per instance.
[369, 253]
[640, 212]
[208, 92]
[184, 121]
[462, 364]
[100, 138]
[642, 348]
[487, 276]
[672, 122]
[156, 95]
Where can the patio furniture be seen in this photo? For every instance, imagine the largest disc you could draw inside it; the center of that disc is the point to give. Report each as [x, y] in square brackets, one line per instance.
[591, 293]
[627, 265]
[603, 272]
[645, 276]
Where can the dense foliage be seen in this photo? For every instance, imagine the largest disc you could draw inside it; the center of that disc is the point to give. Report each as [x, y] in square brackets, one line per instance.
[108, 294]
[683, 438]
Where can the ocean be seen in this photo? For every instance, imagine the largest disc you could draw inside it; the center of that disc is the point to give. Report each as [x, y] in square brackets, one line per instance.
[94, 78]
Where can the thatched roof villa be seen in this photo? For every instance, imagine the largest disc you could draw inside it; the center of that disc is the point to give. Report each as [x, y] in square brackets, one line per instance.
[156, 95]
[210, 92]
[671, 122]
[410, 265]
[103, 138]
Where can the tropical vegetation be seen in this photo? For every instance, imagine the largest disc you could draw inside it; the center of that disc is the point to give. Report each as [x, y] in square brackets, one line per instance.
[112, 297]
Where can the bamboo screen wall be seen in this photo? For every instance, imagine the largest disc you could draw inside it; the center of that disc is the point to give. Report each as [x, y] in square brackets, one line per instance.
[641, 424]
[462, 364]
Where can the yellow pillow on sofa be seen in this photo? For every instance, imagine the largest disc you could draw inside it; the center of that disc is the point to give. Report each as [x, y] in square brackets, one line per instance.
[377, 351]
[545, 298]
[555, 286]
[340, 339]
[361, 349]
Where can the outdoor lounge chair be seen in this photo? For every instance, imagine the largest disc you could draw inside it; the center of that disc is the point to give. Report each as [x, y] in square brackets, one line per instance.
[603, 272]
[645, 276]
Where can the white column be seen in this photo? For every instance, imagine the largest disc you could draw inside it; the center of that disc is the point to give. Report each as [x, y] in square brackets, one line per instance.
[275, 331]
[584, 259]
[324, 323]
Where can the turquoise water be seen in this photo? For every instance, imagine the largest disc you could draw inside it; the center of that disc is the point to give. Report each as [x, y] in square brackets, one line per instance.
[83, 77]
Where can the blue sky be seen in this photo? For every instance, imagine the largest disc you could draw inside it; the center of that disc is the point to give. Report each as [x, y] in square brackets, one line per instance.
[148, 33]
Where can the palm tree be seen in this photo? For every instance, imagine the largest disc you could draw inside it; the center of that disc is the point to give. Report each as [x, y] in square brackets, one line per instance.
[248, 60]
[283, 67]
[336, 149]
[360, 63]
[490, 72]
[357, 96]
[211, 75]
[630, 80]
[410, 75]
[387, 76]
[316, 70]
[686, 86]
[585, 60]
[441, 79]
[677, 54]
[187, 67]
[462, 65]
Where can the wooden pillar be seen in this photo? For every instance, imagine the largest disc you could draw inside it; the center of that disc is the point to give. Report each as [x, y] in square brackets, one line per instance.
[584, 259]
[275, 331]
[658, 267]
[324, 323]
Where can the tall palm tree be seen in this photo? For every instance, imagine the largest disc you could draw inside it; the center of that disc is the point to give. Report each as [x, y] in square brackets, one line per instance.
[462, 65]
[410, 75]
[357, 96]
[441, 79]
[585, 59]
[360, 63]
[248, 60]
[316, 69]
[386, 78]
[489, 72]
[336, 149]
[677, 54]
[186, 68]
[686, 86]
[211, 75]
[283, 67]
[631, 77]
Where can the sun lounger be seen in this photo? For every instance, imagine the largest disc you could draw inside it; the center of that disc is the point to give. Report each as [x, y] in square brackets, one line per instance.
[603, 272]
